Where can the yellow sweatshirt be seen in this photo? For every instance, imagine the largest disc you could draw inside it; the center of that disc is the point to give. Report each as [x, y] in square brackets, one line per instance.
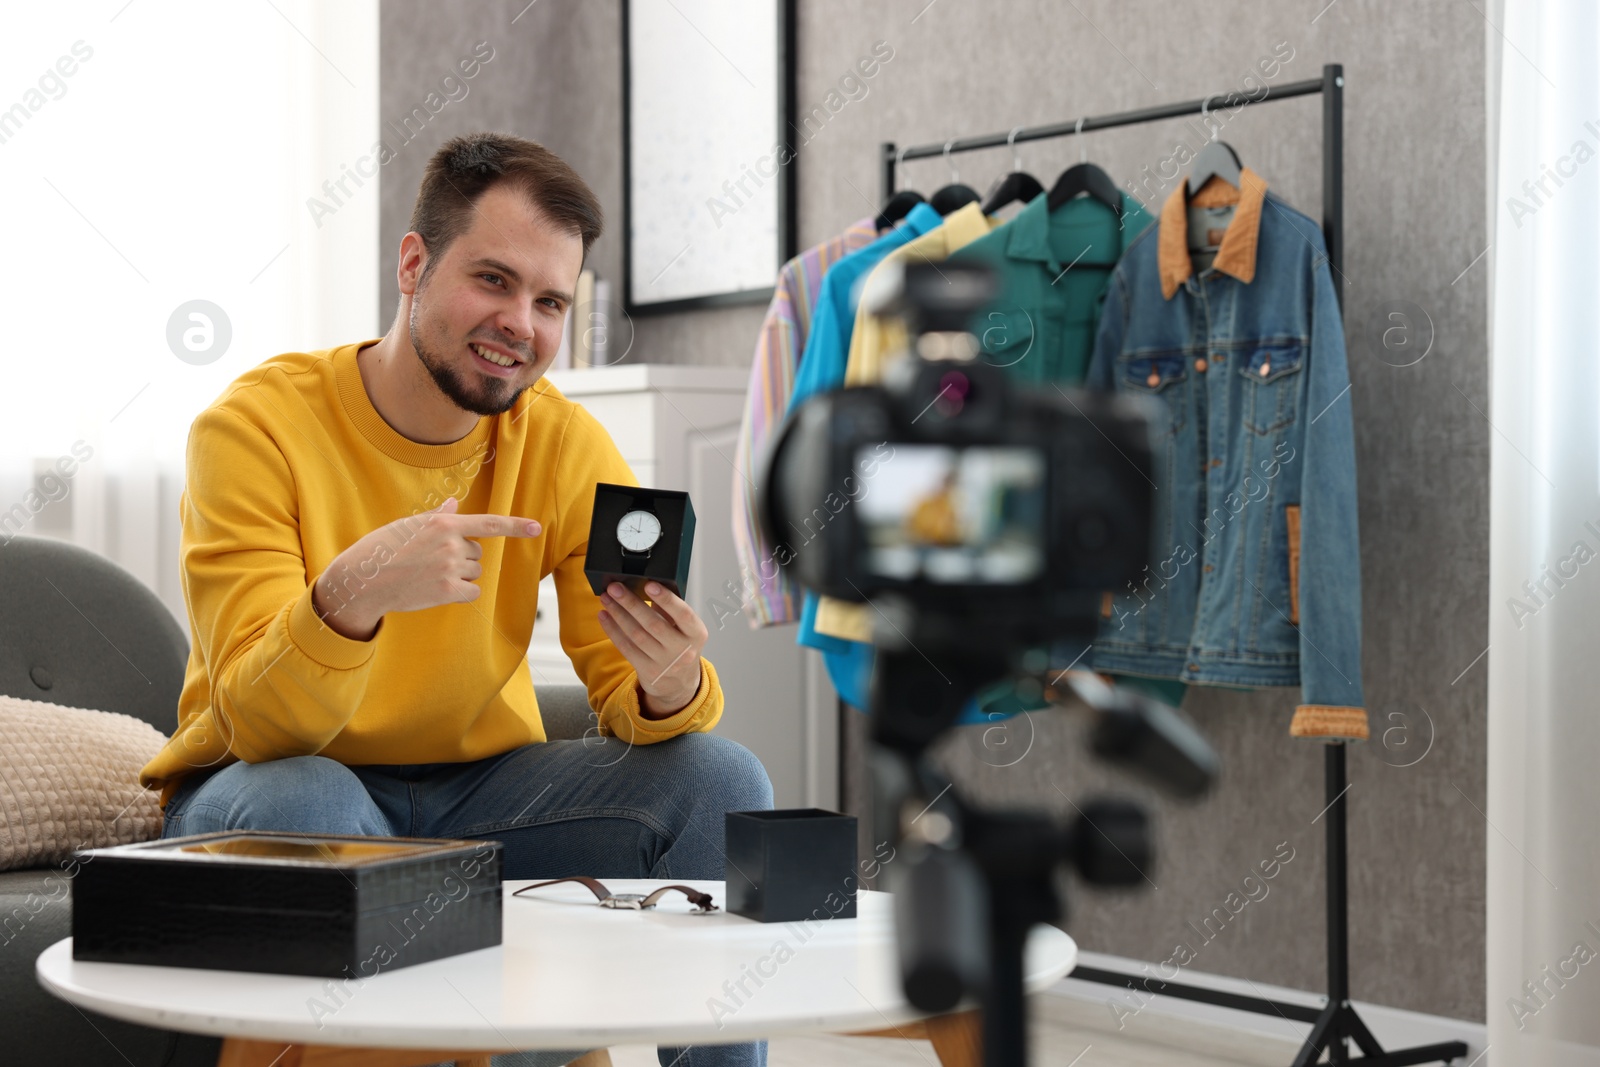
[292, 465]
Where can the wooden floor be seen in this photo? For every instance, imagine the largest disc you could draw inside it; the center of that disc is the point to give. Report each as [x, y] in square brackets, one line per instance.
[1062, 1033]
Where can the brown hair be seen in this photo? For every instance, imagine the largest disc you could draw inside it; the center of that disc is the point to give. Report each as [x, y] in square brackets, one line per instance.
[466, 167]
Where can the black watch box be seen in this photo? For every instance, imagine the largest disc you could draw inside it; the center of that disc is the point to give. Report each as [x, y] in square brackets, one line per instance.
[668, 562]
[286, 903]
[790, 864]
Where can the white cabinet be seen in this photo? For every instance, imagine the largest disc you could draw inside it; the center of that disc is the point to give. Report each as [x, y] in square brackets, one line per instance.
[676, 427]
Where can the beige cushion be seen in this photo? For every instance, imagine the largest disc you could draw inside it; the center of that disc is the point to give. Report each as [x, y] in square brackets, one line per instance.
[69, 779]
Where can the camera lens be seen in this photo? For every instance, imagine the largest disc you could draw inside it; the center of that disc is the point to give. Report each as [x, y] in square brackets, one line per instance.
[1092, 532]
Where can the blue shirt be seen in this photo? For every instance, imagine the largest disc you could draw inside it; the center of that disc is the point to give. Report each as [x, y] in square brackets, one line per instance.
[822, 367]
[833, 317]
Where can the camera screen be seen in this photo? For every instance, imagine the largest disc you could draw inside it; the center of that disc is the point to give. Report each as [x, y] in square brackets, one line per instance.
[953, 515]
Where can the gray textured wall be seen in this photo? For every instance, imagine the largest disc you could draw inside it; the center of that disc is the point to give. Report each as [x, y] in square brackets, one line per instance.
[1414, 223]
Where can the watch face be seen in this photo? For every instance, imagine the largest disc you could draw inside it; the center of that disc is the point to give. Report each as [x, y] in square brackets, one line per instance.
[639, 531]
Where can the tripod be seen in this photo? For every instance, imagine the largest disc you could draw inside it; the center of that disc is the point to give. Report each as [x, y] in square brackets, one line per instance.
[974, 882]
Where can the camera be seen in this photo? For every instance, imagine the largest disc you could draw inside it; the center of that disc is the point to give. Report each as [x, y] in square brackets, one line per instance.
[1014, 508]
[983, 520]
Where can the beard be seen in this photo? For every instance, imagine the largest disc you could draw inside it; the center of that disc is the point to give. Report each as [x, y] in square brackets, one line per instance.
[469, 391]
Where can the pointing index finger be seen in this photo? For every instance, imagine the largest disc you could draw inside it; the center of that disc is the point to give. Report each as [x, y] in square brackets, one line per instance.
[496, 526]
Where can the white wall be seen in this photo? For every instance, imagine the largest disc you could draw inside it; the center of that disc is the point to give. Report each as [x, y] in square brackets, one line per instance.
[173, 163]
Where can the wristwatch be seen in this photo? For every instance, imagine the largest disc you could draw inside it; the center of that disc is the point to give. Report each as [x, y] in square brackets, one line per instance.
[630, 901]
[638, 533]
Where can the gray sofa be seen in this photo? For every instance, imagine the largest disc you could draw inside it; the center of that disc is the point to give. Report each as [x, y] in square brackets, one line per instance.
[78, 630]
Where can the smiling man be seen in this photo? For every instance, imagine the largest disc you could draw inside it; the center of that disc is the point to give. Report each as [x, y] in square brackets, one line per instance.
[364, 530]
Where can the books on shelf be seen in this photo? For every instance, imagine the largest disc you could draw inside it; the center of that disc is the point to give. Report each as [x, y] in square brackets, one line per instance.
[600, 324]
[587, 333]
[563, 360]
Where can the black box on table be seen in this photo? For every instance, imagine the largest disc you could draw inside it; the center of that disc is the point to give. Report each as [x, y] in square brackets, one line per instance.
[286, 903]
[790, 864]
[666, 561]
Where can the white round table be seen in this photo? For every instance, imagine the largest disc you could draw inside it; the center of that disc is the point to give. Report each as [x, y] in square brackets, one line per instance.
[568, 975]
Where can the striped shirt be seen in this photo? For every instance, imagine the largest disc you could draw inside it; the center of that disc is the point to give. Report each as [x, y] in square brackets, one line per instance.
[769, 594]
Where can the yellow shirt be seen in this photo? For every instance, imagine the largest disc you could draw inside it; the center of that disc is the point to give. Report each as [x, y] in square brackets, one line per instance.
[875, 343]
[293, 464]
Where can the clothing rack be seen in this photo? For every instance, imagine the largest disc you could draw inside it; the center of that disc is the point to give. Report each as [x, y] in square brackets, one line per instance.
[1337, 1022]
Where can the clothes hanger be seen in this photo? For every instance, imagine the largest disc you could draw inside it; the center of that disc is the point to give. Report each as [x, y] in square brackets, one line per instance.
[899, 205]
[1085, 177]
[1016, 186]
[954, 195]
[1216, 160]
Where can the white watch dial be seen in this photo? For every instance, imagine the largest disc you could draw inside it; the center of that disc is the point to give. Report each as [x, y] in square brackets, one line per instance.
[639, 531]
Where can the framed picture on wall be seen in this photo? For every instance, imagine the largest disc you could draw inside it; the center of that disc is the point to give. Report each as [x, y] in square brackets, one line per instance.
[707, 158]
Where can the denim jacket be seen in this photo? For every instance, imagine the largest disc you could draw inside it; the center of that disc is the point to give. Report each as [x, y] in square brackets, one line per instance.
[1255, 577]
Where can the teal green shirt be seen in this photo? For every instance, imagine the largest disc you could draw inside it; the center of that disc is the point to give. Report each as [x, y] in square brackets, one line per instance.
[1054, 267]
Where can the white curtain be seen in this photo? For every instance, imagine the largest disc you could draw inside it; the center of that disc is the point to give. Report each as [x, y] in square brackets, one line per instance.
[152, 155]
[1544, 636]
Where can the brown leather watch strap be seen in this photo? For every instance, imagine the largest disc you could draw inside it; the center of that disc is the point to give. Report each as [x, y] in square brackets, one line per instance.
[600, 892]
[702, 901]
[697, 898]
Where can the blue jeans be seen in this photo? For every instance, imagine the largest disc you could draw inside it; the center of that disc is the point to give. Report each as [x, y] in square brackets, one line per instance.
[559, 808]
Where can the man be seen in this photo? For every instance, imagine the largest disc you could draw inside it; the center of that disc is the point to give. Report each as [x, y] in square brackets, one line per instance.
[364, 530]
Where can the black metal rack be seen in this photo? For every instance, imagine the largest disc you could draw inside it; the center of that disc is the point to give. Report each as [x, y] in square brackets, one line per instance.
[1337, 1022]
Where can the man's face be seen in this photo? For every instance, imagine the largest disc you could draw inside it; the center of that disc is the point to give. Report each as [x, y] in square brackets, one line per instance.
[506, 284]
